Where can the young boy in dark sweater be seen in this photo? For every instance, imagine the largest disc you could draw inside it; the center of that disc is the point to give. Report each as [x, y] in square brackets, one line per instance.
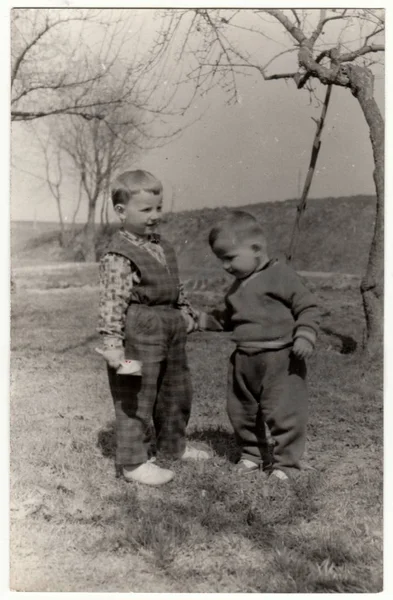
[274, 319]
[145, 317]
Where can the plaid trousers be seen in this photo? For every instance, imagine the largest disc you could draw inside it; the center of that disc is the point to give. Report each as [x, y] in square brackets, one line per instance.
[163, 393]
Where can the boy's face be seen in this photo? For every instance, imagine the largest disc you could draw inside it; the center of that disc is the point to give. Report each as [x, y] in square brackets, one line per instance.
[240, 259]
[142, 213]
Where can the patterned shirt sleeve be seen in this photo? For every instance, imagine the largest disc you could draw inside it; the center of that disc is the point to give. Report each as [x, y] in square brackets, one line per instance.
[184, 305]
[117, 277]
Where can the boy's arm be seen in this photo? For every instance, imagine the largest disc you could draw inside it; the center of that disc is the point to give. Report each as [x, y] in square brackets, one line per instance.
[190, 314]
[117, 277]
[217, 320]
[196, 320]
[303, 305]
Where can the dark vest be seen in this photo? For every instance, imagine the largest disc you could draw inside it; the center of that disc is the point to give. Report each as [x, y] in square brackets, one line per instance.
[159, 285]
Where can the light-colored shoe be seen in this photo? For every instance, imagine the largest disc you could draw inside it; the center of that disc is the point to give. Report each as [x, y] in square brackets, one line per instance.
[245, 467]
[149, 474]
[280, 475]
[191, 453]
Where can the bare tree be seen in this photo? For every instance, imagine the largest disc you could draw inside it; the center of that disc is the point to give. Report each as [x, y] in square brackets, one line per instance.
[63, 59]
[54, 174]
[95, 70]
[218, 43]
[96, 149]
[46, 62]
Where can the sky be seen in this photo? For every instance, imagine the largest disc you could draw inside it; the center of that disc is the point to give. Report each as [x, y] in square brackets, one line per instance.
[254, 151]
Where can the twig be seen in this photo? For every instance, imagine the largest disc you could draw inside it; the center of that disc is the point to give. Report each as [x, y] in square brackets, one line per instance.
[311, 169]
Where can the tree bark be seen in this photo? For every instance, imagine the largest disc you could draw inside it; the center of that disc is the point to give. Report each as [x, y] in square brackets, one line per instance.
[362, 85]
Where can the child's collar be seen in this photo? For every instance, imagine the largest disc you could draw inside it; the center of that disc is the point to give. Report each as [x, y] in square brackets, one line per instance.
[260, 268]
[155, 238]
[263, 266]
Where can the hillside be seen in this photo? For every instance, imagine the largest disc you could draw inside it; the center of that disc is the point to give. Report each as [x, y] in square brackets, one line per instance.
[336, 235]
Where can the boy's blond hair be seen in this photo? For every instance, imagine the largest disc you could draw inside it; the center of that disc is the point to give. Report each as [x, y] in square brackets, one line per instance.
[241, 226]
[132, 182]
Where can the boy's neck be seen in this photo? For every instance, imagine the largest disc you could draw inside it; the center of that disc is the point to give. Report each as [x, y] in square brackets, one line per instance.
[263, 263]
[130, 232]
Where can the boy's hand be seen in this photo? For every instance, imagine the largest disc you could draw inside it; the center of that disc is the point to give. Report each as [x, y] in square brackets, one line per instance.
[113, 357]
[190, 323]
[302, 348]
[209, 323]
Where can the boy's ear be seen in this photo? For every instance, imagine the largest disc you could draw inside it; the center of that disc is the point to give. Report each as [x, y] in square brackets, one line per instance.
[119, 210]
[257, 248]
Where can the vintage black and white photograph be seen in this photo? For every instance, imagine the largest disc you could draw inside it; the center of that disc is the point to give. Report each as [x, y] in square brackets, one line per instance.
[197, 291]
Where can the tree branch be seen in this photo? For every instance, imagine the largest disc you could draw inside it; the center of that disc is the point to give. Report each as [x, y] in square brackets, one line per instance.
[294, 76]
[269, 62]
[21, 115]
[376, 32]
[350, 56]
[295, 31]
[322, 20]
[56, 86]
[293, 11]
[35, 40]
[22, 55]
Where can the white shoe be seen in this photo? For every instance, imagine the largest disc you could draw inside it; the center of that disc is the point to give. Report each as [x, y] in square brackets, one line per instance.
[149, 474]
[280, 475]
[191, 453]
[244, 466]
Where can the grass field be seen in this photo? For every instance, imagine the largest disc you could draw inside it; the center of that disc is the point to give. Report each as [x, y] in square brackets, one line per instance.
[76, 528]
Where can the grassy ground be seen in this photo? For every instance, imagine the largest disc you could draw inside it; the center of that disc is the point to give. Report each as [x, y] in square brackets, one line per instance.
[76, 528]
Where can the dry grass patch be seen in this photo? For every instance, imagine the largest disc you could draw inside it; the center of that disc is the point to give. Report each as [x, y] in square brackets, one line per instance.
[76, 528]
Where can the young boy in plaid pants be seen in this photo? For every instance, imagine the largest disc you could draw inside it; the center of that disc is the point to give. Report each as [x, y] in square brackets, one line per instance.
[274, 321]
[145, 316]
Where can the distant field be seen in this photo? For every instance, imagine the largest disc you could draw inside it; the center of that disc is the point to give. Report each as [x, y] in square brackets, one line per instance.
[336, 235]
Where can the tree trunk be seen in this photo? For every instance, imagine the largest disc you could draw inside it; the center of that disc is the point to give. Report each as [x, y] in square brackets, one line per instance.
[107, 213]
[78, 205]
[62, 235]
[102, 212]
[89, 234]
[372, 286]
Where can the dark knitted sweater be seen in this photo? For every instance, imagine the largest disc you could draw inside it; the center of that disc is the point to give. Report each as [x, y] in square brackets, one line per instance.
[271, 308]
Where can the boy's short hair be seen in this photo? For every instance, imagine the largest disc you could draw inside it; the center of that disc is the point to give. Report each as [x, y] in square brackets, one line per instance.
[241, 226]
[132, 182]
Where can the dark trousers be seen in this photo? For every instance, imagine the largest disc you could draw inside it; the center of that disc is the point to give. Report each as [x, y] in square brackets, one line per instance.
[269, 387]
[157, 337]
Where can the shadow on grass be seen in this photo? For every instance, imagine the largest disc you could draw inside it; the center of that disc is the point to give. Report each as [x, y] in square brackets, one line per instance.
[221, 441]
[348, 344]
[106, 440]
[81, 344]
